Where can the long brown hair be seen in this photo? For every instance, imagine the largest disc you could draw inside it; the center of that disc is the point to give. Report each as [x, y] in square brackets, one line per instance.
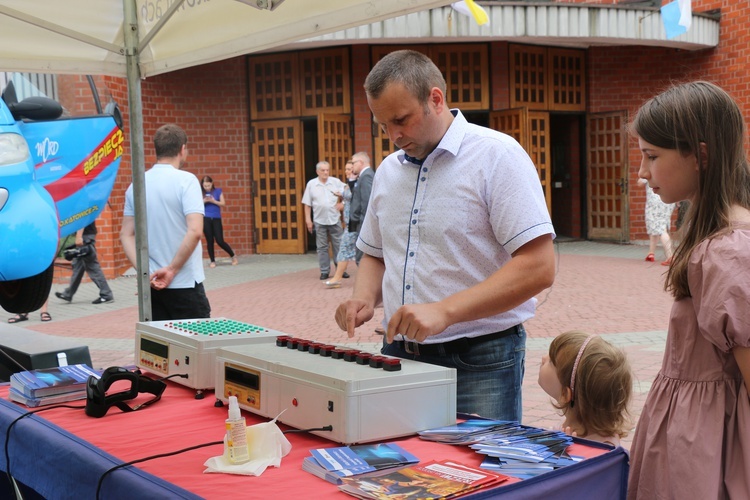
[206, 178]
[685, 117]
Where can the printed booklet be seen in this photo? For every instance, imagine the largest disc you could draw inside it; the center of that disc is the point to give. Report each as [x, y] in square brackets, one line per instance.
[432, 480]
[332, 464]
[16, 396]
[524, 470]
[49, 381]
[467, 432]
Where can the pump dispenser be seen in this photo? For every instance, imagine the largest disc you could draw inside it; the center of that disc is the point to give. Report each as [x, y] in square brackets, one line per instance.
[236, 434]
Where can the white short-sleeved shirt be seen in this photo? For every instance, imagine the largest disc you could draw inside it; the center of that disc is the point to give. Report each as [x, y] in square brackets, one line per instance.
[449, 224]
[323, 201]
[171, 194]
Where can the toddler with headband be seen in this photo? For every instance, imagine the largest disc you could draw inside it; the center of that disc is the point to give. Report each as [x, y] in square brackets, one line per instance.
[591, 382]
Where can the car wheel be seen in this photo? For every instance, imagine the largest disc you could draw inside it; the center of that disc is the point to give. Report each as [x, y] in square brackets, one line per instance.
[28, 294]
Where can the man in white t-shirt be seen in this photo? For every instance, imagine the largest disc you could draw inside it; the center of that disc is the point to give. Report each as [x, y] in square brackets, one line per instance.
[323, 205]
[174, 202]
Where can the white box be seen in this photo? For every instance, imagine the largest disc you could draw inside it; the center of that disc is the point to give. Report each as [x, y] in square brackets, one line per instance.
[361, 403]
[189, 346]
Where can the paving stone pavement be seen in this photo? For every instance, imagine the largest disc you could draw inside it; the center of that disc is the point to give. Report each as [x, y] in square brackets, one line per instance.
[601, 288]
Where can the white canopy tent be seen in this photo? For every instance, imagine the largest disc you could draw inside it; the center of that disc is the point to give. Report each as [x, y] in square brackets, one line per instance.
[140, 38]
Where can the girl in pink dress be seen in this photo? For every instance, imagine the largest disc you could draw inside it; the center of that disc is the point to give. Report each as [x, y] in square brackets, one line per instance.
[591, 382]
[693, 436]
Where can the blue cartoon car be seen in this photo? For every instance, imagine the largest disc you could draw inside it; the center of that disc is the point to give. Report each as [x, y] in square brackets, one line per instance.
[56, 175]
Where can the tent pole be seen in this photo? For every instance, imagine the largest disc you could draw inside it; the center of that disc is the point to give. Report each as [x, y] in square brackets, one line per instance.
[135, 105]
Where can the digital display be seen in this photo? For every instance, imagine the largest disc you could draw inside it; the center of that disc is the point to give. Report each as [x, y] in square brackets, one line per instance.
[155, 348]
[241, 377]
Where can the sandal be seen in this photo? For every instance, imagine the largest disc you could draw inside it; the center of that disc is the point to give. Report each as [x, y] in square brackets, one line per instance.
[212, 265]
[667, 262]
[45, 316]
[18, 318]
[650, 258]
[235, 261]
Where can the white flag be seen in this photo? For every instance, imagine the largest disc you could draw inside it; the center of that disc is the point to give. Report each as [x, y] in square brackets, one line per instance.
[686, 13]
[470, 8]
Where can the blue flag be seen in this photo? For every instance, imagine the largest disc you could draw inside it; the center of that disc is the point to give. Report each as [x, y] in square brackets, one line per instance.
[676, 17]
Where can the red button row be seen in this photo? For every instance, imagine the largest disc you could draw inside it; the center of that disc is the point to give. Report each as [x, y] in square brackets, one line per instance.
[335, 352]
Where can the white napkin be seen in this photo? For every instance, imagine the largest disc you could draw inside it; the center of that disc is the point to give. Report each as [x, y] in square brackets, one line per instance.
[266, 443]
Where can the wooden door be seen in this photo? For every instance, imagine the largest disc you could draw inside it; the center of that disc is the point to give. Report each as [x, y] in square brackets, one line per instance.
[531, 129]
[335, 142]
[538, 147]
[274, 86]
[607, 170]
[278, 185]
[512, 122]
[324, 81]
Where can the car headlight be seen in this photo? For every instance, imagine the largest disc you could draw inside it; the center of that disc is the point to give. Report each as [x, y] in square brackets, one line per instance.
[13, 149]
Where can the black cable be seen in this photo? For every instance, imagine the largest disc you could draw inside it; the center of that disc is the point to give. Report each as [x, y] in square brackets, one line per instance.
[24, 415]
[161, 455]
[11, 358]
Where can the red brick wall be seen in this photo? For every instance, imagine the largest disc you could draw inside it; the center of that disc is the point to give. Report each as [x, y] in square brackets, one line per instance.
[210, 103]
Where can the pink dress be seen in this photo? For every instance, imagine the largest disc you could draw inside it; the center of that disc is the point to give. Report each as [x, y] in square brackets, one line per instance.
[693, 437]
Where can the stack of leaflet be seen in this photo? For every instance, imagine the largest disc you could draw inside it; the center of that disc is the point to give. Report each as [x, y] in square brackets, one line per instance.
[333, 464]
[433, 480]
[48, 386]
[511, 448]
[467, 432]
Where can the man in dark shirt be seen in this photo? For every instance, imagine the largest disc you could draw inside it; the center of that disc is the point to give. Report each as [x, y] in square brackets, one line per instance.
[360, 193]
[87, 261]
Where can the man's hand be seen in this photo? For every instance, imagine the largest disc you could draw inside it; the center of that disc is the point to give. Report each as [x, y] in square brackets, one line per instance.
[353, 313]
[309, 226]
[161, 278]
[417, 322]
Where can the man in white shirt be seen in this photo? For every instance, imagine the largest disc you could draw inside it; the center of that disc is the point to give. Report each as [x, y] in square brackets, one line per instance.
[323, 205]
[457, 240]
[175, 227]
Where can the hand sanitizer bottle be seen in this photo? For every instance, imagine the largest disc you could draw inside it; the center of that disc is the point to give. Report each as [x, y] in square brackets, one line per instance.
[236, 434]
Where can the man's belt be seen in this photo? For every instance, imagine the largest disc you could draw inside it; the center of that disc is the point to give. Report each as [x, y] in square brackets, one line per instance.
[457, 346]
